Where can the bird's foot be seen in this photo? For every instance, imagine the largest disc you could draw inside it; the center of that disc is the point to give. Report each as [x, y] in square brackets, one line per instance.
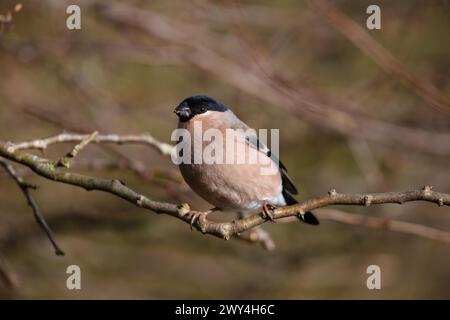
[199, 215]
[268, 209]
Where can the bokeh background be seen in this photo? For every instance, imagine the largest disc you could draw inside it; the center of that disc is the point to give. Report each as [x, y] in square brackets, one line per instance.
[358, 110]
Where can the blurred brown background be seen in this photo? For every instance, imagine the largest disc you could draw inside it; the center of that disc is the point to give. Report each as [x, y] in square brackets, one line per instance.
[351, 118]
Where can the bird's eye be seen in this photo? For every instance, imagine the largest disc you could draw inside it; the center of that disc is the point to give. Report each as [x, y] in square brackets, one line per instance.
[203, 109]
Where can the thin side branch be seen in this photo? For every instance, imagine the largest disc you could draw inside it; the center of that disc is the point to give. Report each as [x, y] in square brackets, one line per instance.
[25, 187]
[65, 161]
[9, 277]
[127, 162]
[225, 230]
[384, 223]
[374, 50]
[42, 144]
[259, 236]
[271, 85]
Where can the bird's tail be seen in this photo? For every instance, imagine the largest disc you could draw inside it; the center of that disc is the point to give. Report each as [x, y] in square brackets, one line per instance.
[307, 217]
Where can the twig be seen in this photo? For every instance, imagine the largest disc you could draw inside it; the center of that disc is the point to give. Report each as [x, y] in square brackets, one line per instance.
[25, 187]
[362, 39]
[384, 223]
[225, 230]
[307, 104]
[145, 138]
[9, 277]
[137, 167]
[259, 236]
[65, 161]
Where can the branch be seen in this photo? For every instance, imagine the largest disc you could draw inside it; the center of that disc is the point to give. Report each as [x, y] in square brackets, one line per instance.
[260, 236]
[42, 144]
[384, 223]
[25, 187]
[137, 167]
[9, 277]
[257, 235]
[380, 55]
[309, 105]
[65, 161]
[225, 230]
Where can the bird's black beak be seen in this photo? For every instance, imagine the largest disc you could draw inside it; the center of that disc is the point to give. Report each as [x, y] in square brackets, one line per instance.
[183, 112]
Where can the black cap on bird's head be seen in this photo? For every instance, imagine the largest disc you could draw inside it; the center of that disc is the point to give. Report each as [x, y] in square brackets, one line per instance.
[192, 106]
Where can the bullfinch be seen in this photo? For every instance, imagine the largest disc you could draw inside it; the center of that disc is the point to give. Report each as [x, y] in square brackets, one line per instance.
[242, 187]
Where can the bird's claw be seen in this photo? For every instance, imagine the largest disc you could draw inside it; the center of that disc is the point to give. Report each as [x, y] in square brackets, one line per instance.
[195, 215]
[267, 209]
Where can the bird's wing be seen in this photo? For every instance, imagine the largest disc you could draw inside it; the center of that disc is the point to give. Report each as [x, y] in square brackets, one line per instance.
[253, 141]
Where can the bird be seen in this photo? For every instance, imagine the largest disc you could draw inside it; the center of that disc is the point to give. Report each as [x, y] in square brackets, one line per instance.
[239, 187]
